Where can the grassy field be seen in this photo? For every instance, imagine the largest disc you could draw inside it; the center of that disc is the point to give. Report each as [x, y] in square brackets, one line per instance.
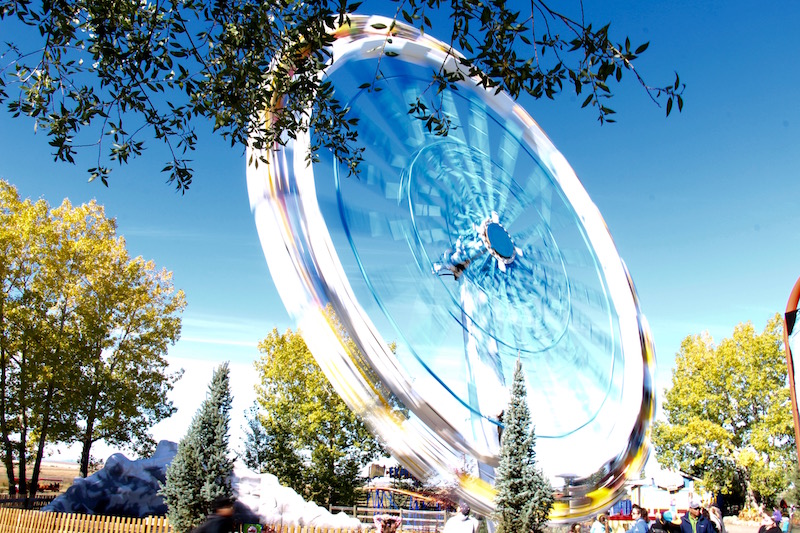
[64, 472]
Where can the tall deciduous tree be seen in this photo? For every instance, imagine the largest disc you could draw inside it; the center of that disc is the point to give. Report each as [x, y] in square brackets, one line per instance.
[729, 418]
[74, 306]
[304, 418]
[524, 495]
[37, 277]
[202, 468]
[133, 69]
[128, 316]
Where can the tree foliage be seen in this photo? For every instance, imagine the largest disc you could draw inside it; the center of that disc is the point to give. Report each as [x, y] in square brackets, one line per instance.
[84, 330]
[316, 444]
[202, 468]
[255, 454]
[524, 495]
[101, 74]
[129, 318]
[271, 448]
[729, 418]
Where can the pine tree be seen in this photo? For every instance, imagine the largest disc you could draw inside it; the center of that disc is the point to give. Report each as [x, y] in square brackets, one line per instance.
[524, 495]
[201, 470]
[256, 442]
[185, 509]
[270, 447]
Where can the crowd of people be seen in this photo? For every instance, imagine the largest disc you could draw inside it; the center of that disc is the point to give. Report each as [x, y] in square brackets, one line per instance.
[698, 519]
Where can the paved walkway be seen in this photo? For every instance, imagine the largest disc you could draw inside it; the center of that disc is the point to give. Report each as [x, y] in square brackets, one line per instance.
[741, 527]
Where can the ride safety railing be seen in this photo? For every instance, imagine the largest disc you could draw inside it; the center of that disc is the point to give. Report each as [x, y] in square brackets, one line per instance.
[412, 519]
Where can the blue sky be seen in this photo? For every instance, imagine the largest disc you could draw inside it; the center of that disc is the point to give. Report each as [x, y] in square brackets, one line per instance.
[702, 205]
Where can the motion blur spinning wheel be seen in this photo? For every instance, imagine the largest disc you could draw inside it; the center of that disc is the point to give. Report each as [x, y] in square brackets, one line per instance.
[465, 253]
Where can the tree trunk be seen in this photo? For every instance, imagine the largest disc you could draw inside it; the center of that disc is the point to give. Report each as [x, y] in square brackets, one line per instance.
[47, 411]
[749, 494]
[37, 465]
[8, 448]
[23, 428]
[331, 466]
[91, 417]
[22, 460]
[87, 445]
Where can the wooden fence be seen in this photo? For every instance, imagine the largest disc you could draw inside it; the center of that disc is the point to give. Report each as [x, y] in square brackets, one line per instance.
[18, 501]
[27, 521]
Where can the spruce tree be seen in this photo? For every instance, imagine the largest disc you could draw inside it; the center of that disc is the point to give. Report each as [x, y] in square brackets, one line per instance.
[256, 442]
[524, 495]
[184, 475]
[202, 468]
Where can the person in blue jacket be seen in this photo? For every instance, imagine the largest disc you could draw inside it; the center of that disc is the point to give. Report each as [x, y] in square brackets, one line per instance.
[694, 521]
[639, 523]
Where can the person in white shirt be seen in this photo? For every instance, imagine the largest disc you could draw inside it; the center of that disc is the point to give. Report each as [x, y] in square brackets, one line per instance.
[715, 515]
[461, 522]
[600, 524]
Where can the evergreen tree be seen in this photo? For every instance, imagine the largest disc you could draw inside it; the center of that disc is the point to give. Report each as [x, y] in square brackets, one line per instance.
[271, 447]
[524, 495]
[202, 469]
[256, 442]
[180, 492]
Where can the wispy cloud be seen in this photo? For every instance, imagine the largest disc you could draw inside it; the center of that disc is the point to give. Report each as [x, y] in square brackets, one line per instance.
[226, 323]
[221, 342]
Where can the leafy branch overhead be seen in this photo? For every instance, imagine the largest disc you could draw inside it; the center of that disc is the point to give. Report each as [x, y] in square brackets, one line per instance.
[106, 75]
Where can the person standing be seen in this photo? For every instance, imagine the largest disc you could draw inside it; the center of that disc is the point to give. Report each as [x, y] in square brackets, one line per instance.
[716, 518]
[639, 523]
[221, 518]
[771, 524]
[600, 524]
[664, 524]
[386, 523]
[694, 522]
[461, 522]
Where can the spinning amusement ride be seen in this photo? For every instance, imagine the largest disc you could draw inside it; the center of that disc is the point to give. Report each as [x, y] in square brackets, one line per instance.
[446, 260]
